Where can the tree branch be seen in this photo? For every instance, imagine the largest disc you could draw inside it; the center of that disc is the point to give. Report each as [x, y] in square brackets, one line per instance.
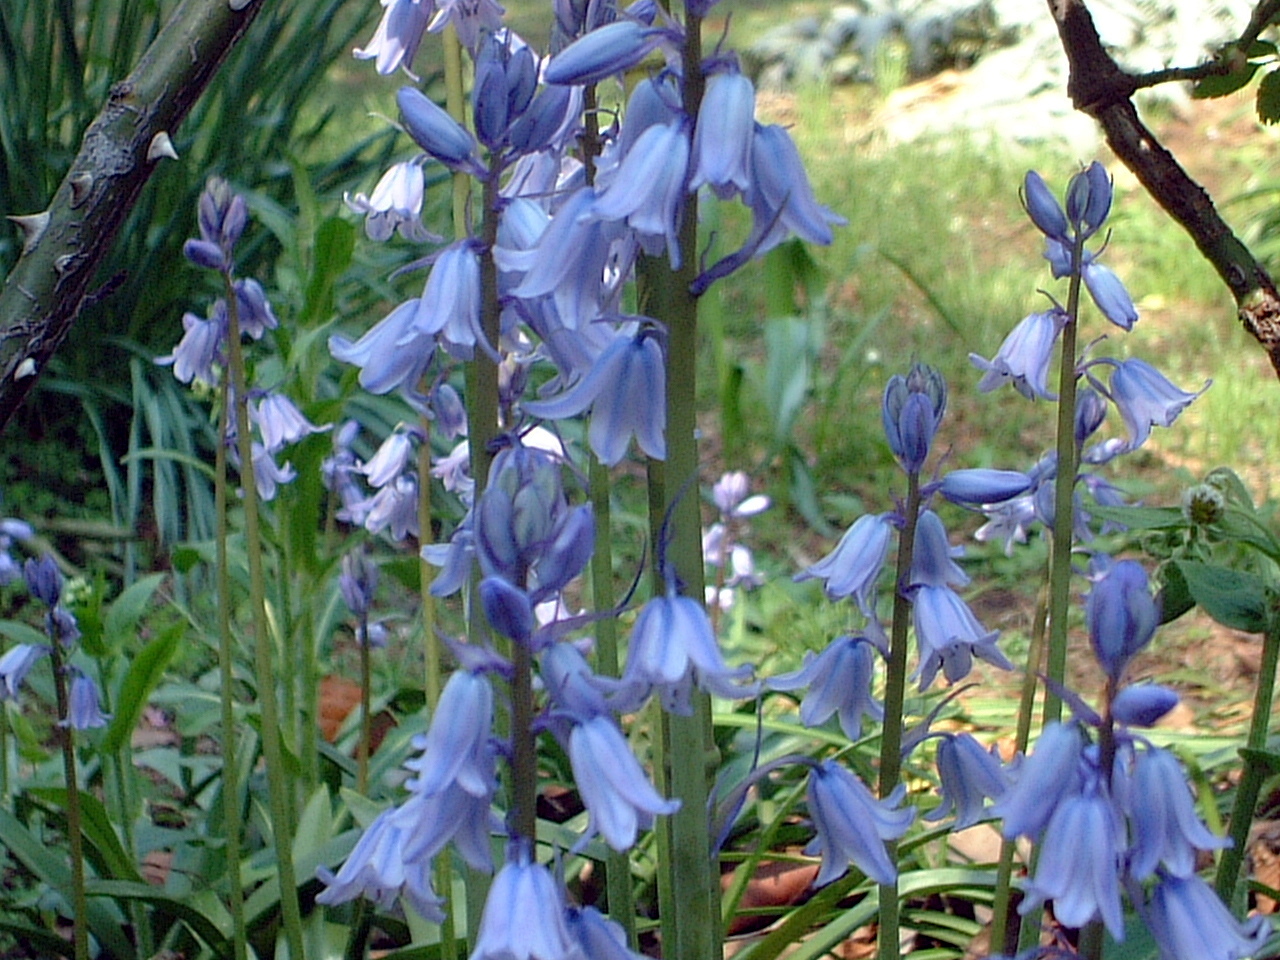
[65, 243]
[1100, 88]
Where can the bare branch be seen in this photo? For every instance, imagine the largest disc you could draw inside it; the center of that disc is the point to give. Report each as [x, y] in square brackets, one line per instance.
[44, 292]
[1097, 86]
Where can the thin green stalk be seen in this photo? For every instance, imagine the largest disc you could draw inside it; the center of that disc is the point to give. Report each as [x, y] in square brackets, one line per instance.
[894, 701]
[277, 784]
[690, 911]
[366, 711]
[1004, 937]
[1064, 499]
[226, 654]
[1256, 769]
[66, 740]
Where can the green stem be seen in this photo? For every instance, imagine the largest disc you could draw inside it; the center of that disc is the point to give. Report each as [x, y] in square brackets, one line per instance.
[366, 709]
[894, 702]
[231, 811]
[1064, 499]
[1004, 927]
[277, 785]
[1256, 770]
[66, 740]
[690, 911]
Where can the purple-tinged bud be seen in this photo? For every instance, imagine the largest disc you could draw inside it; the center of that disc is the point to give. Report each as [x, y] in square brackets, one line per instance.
[358, 581]
[909, 424]
[489, 97]
[222, 214]
[234, 221]
[566, 555]
[507, 609]
[1122, 615]
[1089, 198]
[522, 80]
[534, 129]
[434, 130]
[1042, 207]
[204, 254]
[1109, 294]
[1144, 705]
[614, 48]
[44, 580]
[980, 486]
[450, 414]
[1091, 410]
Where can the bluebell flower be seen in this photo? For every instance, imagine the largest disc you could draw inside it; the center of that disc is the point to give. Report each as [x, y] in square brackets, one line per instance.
[436, 132]
[471, 18]
[221, 214]
[1122, 615]
[11, 530]
[281, 422]
[626, 392]
[839, 683]
[672, 648]
[1091, 411]
[450, 304]
[611, 49]
[969, 775]
[429, 821]
[780, 196]
[396, 203]
[1043, 208]
[358, 581]
[1109, 294]
[599, 937]
[648, 188]
[1008, 521]
[524, 916]
[267, 474]
[723, 136]
[507, 608]
[1146, 398]
[393, 508]
[392, 354]
[1079, 864]
[931, 559]
[395, 42]
[566, 553]
[253, 309]
[1089, 199]
[15, 664]
[911, 410]
[448, 412]
[619, 798]
[1043, 780]
[1165, 829]
[570, 682]
[393, 457]
[377, 870]
[982, 487]
[43, 579]
[854, 566]
[1143, 705]
[730, 495]
[1024, 357]
[455, 748]
[1189, 922]
[852, 825]
[950, 636]
[199, 349]
[84, 710]
[205, 254]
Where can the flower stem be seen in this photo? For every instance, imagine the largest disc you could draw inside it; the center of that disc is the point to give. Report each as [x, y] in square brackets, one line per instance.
[1064, 498]
[277, 785]
[66, 740]
[894, 700]
[231, 811]
[1256, 769]
[366, 712]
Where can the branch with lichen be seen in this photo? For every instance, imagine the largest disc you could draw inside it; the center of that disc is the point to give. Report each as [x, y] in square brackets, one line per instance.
[65, 243]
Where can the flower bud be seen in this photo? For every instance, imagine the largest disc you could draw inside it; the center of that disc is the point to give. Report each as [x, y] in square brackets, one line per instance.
[205, 254]
[1203, 505]
[434, 130]
[614, 48]
[1042, 207]
[1143, 705]
[507, 609]
[1122, 615]
[44, 580]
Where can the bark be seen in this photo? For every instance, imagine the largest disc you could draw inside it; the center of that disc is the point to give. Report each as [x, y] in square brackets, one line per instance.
[43, 294]
[1101, 89]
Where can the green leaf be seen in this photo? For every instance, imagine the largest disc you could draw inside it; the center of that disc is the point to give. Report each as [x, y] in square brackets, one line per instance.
[193, 916]
[335, 245]
[145, 672]
[96, 827]
[1232, 597]
[1262, 758]
[1141, 518]
[48, 865]
[1175, 596]
[1269, 97]
[1221, 86]
[121, 620]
